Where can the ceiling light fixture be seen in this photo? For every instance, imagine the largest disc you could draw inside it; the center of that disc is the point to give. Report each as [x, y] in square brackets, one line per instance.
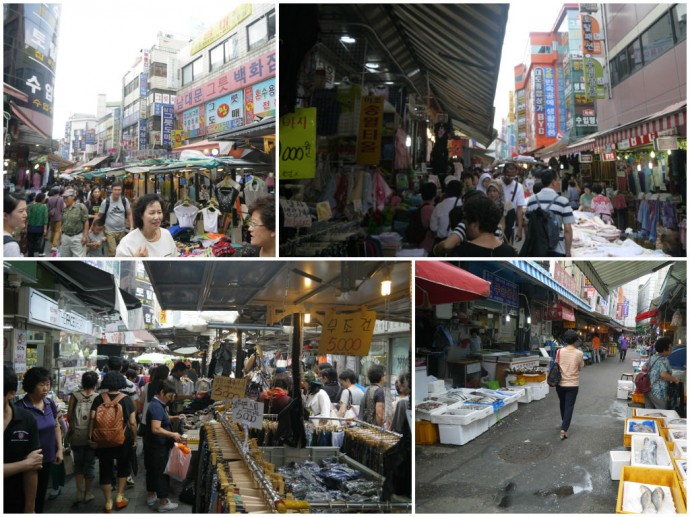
[413, 72]
[347, 39]
[373, 66]
[386, 283]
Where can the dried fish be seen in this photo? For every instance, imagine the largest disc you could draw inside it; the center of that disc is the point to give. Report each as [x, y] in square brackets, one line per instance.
[677, 421]
[657, 498]
[646, 500]
[648, 454]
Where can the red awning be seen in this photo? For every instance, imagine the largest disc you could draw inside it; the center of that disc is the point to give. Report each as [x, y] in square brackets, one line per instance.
[647, 314]
[23, 115]
[439, 282]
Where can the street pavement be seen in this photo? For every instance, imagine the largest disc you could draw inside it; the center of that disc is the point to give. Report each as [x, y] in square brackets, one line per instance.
[136, 495]
[544, 474]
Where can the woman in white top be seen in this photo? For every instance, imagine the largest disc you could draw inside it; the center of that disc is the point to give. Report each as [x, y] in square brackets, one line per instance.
[318, 403]
[571, 360]
[14, 218]
[148, 239]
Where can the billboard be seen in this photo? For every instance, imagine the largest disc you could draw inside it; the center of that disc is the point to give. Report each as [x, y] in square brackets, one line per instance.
[225, 113]
[167, 124]
[191, 122]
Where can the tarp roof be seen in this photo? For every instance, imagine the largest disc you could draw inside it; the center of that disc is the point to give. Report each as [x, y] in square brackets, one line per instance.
[607, 275]
[450, 52]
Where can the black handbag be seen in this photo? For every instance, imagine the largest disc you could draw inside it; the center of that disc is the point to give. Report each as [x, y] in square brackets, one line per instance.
[554, 377]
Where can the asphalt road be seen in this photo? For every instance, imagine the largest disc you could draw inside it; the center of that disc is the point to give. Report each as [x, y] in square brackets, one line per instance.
[540, 473]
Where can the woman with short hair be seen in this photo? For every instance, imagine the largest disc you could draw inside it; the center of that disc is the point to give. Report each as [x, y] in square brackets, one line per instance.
[148, 239]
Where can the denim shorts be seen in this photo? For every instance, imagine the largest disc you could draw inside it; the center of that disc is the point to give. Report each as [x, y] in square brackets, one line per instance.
[84, 460]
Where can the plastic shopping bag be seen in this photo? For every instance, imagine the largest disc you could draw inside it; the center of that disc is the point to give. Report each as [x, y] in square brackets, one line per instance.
[178, 462]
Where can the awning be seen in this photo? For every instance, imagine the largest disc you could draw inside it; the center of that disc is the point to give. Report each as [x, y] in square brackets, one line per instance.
[441, 50]
[53, 158]
[13, 92]
[644, 130]
[24, 115]
[607, 275]
[196, 146]
[535, 271]
[646, 315]
[94, 287]
[95, 162]
[555, 149]
[584, 144]
[440, 282]
[259, 129]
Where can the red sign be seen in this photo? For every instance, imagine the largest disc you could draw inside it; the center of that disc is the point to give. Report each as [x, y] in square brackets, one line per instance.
[636, 141]
[608, 157]
[565, 279]
[559, 312]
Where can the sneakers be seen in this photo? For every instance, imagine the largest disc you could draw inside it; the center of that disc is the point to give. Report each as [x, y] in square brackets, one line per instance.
[53, 494]
[88, 497]
[130, 482]
[151, 501]
[109, 506]
[121, 502]
[168, 507]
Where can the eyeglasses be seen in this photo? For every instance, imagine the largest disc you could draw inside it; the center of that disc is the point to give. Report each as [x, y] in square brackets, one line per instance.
[252, 224]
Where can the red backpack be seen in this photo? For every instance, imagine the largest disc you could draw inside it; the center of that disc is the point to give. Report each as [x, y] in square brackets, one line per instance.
[108, 425]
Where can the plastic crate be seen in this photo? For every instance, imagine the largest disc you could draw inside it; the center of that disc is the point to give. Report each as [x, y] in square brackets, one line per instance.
[426, 408]
[617, 460]
[425, 433]
[524, 392]
[461, 415]
[664, 460]
[628, 433]
[649, 476]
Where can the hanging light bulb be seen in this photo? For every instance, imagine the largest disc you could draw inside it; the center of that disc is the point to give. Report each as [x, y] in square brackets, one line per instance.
[386, 283]
[507, 318]
[652, 154]
[669, 152]
[307, 318]
[651, 165]
[639, 167]
[529, 320]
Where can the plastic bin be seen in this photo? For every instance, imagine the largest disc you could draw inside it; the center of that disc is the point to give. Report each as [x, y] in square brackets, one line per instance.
[617, 460]
[425, 432]
[426, 408]
[628, 433]
[460, 434]
[624, 389]
[649, 476]
[461, 414]
[525, 393]
[645, 412]
[507, 409]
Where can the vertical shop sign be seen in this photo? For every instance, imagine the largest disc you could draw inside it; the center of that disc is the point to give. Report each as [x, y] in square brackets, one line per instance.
[539, 101]
[265, 98]
[248, 105]
[143, 134]
[19, 351]
[347, 334]
[143, 85]
[297, 144]
[370, 126]
[550, 101]
[167, 123]
[191, 122]
[225, 113]
[502, 290]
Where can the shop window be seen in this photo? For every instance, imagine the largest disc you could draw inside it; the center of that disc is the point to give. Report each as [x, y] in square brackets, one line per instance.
[613, 67]
[159, 70]
[622, 64]
[658, 38]
[634, 56]
[679, 14]
[541, 49]
[262, 30]
[224, 53]
[192, 71]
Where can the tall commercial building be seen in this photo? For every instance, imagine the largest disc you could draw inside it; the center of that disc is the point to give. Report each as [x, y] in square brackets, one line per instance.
[228, 79]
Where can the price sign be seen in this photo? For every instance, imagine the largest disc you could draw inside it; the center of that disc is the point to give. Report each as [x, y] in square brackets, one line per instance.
[225, 388]
[347, 334]
[297, 147]
[19, 355]
[249, 412]
[295, 213]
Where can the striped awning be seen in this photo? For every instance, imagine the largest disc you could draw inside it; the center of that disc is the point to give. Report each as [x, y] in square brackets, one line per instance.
[540, 274]
[667, 122]
[585, 144]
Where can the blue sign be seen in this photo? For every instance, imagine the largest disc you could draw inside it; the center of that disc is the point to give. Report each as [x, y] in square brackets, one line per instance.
[502, 290]
[550, 98]
[157, 108]
[225, 113]
[91, 136]
[167, 124]
[142, 134]
[539, 103]
[143, 85]
[130, 119]
[626, 308]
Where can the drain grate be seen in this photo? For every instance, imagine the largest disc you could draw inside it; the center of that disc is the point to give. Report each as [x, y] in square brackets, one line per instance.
[524, 452]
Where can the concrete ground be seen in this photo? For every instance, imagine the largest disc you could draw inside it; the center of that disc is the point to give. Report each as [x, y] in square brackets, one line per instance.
[553, 476]
[136, 495]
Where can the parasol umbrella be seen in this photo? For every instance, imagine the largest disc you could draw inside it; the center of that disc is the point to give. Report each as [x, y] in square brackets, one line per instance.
[154, 357]
[440, 282]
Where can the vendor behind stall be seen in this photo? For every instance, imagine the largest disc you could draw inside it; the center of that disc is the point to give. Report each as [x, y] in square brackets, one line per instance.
[179, 371]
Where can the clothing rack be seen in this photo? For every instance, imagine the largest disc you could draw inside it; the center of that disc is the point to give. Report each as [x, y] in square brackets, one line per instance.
[338, 229]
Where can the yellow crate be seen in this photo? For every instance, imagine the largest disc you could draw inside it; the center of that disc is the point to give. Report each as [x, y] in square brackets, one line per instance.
[627, 438]
[425, 433]
[679, 479]
[534, 378]
[638, 398]
[649, 476]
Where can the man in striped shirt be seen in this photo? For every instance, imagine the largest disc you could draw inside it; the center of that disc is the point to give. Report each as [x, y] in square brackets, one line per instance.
[559, 206]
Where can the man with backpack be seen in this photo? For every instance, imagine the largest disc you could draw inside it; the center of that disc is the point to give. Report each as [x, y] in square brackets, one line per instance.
[546, 212]
[114, 210]
[113, 433]
[79, 419]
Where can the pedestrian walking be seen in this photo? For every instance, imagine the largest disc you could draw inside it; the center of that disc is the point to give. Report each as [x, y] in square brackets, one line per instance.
[660, 376]
[115, 212]
[75, 226]
[79, 419]
[36, 384]
[55, 205]
[623, 347]
[36, 225]
[373, 409]
[570, 359]
[596, 347]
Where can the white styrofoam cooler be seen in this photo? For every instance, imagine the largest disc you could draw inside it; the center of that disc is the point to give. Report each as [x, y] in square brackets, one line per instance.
[525, 393]
[624, 389]
[662, 455]
[617, 460]
[459, 434]
[461, 414]
[437, 387]
[425, 414]
[539, 390]
[507, 409]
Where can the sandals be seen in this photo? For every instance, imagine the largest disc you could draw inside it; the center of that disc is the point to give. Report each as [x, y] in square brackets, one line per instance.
[564, 435]
[121, 502]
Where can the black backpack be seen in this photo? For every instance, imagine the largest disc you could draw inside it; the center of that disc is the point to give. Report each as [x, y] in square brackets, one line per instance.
[454, 216]
[415, 232]
[104, 213]
[543, 232]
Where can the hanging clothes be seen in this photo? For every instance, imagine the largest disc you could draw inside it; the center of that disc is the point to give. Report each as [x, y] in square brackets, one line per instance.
[401, 161]
[641, 178]
[669, 215]
[210, 216]
[226, 198]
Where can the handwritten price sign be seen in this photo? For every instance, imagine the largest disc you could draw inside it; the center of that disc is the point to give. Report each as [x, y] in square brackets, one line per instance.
[225, 388]
[347, 334]
[249, 412]
[297, 145]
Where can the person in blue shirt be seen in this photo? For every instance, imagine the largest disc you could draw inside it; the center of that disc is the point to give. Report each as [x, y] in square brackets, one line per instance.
[660, 374]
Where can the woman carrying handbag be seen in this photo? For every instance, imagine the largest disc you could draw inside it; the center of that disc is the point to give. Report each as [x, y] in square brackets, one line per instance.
[570, 359]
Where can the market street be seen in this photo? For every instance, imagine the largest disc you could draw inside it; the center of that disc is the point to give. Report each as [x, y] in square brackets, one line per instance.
[475, 479]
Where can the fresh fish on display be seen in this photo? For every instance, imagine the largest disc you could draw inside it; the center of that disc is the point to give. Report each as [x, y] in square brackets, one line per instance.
[678, 421]
[428, 406]
[655, 415]
[657, 498]
[648, 455]
[642, 428]
[680, 435]
[646, 500]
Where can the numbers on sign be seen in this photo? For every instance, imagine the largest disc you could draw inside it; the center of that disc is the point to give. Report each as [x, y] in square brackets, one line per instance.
[343, 344]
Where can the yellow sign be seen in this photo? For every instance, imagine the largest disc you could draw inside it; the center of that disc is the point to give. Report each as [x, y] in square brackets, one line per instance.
[370, 125]
[176, 137]
[297, 144]
[569, 324]
[225, 388]
[163, 317]
[225, 25]
[347, 334]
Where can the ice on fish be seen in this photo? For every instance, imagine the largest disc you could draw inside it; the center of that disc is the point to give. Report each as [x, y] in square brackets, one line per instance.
[677, 421]
[648, 454]
[642, 428]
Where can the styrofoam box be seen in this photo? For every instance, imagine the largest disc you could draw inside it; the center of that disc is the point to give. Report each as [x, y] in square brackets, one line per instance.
[675, 435]
[617, 460]
[507, 409]
[437, 386]
[668, 413]
[663, 459]
[624, 389]
[676, 423]
[425, 414]
[525, 393]
[540, 390]
[460, 414]
[680, 449]
[629, 422]
[488, 420]
[683, 473]
[460, 434]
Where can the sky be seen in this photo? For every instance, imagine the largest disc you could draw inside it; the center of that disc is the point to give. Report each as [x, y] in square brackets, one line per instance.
[99, 41]
[521, 21]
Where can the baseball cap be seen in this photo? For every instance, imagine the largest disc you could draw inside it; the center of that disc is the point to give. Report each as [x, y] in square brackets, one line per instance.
[311, 378]
[70, 192]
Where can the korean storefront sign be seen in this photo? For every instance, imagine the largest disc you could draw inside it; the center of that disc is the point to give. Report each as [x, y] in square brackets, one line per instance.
[221, 28]
[550, 101]
[191, 122]
[260, 100]
[167, 124]
[225, 113]
[297, 145]
[255, 71]
[19, 351]
[44, 311]
[370, 127]
[143, 134]
[539, 101]
[559, 312]
[502, 290]
[347, 334]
